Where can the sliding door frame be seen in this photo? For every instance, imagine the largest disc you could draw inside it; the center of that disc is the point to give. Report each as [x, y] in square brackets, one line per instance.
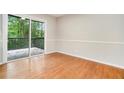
[5, 35]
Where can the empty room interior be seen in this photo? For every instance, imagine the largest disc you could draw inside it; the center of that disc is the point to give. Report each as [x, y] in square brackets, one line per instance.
[61, 46]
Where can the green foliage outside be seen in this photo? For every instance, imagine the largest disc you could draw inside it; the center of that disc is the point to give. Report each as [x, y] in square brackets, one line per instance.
[18, 33]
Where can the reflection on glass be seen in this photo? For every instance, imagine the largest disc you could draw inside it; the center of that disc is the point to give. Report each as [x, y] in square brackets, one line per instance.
[18, 37]
[37, 37]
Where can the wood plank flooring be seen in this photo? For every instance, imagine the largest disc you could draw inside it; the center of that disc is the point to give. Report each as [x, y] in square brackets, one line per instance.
[58, 66]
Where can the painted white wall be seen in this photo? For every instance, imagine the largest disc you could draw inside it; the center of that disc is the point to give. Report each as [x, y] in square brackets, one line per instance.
[3, 37]
[97, 37]
[50, 31]
[0, 38]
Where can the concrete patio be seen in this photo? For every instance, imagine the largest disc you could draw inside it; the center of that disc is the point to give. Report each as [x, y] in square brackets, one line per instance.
[20, 53]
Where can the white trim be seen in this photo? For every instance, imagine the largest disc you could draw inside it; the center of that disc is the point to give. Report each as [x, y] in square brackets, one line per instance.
[4, 37]
[87, 41]
[50, 52]
[45, 35]
[29, 48]
[51, 39]
[91, 59]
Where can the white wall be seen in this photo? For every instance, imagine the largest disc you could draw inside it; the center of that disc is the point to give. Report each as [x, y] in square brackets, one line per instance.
[0, 38]
[3, 38]
[97, 37]
[50, 33]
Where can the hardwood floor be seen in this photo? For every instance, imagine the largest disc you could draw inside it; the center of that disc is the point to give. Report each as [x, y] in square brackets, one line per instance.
[58, 66]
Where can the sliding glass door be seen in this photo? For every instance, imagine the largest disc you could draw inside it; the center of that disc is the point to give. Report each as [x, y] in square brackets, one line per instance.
[23, 41]
[37, 37]
[18, 37]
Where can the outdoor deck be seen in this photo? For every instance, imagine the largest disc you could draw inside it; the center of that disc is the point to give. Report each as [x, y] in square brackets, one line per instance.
[20, 53]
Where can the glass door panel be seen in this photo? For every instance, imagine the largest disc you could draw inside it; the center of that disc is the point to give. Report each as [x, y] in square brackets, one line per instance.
[18, 37]
[37, 37]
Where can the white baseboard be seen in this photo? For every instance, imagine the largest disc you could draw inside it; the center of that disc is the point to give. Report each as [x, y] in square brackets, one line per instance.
[2, 63]
[50, 52]
[107, 63]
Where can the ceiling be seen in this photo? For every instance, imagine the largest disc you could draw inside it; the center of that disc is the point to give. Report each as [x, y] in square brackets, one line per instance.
[56, 15]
